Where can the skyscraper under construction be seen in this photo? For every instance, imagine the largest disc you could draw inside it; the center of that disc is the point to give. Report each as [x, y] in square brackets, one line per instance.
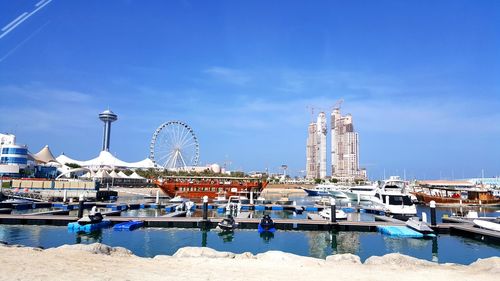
[344, 148]
[316, 148]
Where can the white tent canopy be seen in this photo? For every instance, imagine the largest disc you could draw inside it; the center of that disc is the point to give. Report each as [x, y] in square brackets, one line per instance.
[106, 159]
[136, 176]
[121, 174]
[114, 175]
[102, 174]
[45, 155]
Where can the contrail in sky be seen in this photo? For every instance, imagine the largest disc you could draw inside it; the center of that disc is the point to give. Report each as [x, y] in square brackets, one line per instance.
[15, 23]
[22, 42]
[39, 3]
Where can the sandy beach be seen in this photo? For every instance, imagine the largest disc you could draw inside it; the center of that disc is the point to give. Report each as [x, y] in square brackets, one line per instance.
[101, 262]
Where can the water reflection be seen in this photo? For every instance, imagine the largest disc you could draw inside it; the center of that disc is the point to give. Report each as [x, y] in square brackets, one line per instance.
[88, 237]
[266, 236]
[204, 237]
[435, 249]
[321, 242]
[227, 236]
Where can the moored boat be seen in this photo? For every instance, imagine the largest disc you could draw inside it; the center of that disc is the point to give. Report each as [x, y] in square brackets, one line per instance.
[487, 224]
[326, 213]
[419, 225]
[196, 187]
[361, 192]
[455, 193]
[394, 199]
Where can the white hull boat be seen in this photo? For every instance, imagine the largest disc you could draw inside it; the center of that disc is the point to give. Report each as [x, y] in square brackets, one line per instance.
[487, 224]
[327, 214]
[418, 225]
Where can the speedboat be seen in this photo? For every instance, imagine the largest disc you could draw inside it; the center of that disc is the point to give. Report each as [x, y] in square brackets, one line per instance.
[177, 199]
[326, 213]
[419, 225]
[227, 224]
[187, 205]
[266, 225]
[93, 217]
[284, 201]
[262, 201]
[490, 225]
[220, 199]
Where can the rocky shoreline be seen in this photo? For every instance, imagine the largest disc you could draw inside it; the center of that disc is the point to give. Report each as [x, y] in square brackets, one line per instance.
[102, 262]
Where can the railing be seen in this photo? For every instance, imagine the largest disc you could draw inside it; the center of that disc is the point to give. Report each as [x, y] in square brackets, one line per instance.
[34, 196]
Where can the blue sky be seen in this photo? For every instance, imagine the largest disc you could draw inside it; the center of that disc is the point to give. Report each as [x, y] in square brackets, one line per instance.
[421, 79]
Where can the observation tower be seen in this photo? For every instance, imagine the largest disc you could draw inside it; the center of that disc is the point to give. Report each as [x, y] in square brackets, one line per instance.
[107, 117]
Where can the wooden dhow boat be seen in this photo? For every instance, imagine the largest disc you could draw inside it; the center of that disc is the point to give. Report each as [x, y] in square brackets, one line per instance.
[196, 187]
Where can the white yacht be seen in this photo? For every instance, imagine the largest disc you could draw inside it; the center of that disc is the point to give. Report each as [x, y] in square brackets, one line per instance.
[361, 192]
[320, 190]
[394, 197]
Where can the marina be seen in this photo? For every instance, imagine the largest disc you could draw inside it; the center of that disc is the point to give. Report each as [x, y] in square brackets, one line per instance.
[249, 140]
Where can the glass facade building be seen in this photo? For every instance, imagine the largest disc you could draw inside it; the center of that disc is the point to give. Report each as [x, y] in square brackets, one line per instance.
[12, 154]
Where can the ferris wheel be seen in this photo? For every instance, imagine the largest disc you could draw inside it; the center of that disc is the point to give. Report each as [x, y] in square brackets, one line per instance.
[174, 146]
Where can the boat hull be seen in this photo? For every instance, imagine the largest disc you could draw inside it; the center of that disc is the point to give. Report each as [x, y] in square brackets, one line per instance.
[487, 225]
[312, 192]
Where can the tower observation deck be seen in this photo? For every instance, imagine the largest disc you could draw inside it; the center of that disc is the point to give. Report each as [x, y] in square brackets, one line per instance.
[107, 117]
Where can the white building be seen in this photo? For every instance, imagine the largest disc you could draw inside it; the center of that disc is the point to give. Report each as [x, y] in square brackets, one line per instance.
[13, 157]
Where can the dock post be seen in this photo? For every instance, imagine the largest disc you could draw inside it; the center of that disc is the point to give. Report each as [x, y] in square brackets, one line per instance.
[205, 208]
[251, 196]
[358, 198]
[433, 212]
[80, 206]
[333, 215]
[157, 201]
[65, 195]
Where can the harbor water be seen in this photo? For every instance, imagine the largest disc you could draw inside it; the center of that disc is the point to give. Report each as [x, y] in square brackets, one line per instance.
[149, 242]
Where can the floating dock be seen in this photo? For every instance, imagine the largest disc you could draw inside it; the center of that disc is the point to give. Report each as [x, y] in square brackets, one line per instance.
[75, 226]
[399, 231]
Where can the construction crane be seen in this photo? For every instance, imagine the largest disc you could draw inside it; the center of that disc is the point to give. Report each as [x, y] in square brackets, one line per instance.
[310, 107]
[338, 104]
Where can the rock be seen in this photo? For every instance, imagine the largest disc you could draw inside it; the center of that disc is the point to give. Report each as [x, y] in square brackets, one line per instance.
[278, 256]
[201, 252]
[491, 265]
[98, 248]
[245, 256]
[344, 259]
[396, 259]
[162, 257]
